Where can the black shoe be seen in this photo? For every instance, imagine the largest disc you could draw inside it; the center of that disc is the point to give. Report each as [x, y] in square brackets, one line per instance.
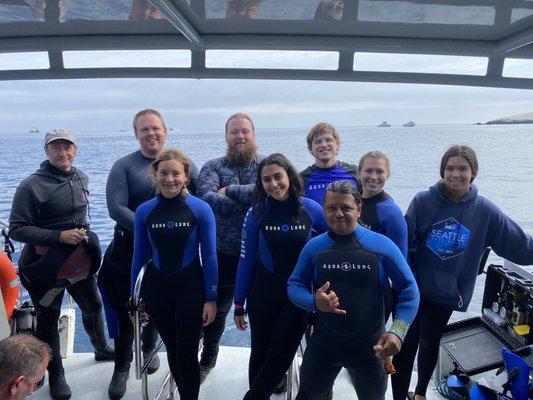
[204, 371]
[154, 364]
[59, 389]
[117, 386]
[107, 354]
[282, 385]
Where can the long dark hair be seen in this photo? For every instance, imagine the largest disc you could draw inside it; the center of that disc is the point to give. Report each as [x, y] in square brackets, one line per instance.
[295, 185]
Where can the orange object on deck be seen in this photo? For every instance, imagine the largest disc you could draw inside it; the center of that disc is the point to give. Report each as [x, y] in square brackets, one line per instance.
[9, 284]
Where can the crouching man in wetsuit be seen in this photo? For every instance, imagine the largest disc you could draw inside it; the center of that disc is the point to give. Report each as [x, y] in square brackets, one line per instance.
[346, 266]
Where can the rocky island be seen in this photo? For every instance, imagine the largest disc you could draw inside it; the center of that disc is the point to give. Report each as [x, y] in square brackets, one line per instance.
[526, 118]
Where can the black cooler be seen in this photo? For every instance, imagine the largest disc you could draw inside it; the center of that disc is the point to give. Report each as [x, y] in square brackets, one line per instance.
[473, 346]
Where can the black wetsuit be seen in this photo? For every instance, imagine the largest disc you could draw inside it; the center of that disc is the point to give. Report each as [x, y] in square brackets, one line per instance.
[45, 204]
[354, 265]
[168, 232]
[274, 233]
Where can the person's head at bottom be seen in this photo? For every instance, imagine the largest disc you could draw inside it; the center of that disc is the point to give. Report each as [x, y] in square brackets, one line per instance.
[23, 362]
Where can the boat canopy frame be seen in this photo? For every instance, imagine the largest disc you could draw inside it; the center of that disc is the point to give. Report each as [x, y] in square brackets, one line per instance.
[493, 31]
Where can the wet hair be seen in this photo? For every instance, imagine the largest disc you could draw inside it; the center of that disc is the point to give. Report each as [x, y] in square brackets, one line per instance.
[169, 155]
[376, 155]
[144, 112]
[295, 185]
[345, 187]
[460, 151]
[21, 355]
[240, 115]
[320, 129]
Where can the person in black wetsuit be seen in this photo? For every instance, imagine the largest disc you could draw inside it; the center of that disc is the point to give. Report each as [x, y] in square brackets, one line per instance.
[380, 213]
[180, 292]
[129, 185]
[342, 275]
[274, 231]
[49, 214]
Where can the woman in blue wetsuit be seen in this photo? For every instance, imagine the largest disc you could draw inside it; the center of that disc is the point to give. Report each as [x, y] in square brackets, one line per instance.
[450, 226]
[380, 213]
[274, 231]
[179, 292]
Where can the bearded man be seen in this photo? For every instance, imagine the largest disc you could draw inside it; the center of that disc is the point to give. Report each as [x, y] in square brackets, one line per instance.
[227, 184]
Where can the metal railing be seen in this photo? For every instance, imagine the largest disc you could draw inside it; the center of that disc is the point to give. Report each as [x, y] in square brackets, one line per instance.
[293, 374]
[141, 369]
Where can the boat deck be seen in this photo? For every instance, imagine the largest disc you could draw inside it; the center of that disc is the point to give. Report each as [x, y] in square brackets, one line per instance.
[228, 381]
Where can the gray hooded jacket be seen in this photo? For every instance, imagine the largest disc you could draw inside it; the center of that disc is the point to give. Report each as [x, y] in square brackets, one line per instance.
[47, 202]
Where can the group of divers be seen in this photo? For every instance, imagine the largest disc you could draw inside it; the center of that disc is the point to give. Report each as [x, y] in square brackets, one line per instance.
[326, 246]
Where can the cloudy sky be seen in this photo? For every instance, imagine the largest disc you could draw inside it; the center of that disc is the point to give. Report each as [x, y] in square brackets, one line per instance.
[109, 104]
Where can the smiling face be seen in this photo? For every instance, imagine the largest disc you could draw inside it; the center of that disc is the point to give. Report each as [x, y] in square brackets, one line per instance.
[324, 148]
[170, 178]
[275, 182]
[239, 133]
[61, 154]
[151, 133]
[342, 212]
[373, 174]
[457, 177]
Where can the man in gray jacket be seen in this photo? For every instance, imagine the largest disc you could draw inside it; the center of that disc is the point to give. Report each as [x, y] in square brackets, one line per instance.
[227, 184]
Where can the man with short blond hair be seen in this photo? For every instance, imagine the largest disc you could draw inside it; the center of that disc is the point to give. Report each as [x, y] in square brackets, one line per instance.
[323, 142]
[23, 361]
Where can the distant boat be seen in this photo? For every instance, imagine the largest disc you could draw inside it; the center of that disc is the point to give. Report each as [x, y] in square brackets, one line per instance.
[409, 124]
[384, 124]
[34, 130]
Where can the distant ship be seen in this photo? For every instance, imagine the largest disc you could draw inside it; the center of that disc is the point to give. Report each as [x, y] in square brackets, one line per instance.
[409, 124]
[34, 130]
[384, 124]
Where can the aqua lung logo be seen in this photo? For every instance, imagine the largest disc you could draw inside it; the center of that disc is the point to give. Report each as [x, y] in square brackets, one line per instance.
[170, 224]
[285, 228]
[347, 266]
[317, 186]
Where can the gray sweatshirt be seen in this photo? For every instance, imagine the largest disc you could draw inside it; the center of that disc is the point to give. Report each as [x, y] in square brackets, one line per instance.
[231, 208]
[47, 202]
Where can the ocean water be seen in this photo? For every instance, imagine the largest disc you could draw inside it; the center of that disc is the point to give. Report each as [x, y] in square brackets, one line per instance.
[504, 152]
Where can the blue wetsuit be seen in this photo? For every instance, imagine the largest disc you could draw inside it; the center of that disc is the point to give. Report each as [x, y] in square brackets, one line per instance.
[273, 235]
[354, 265]
[382, 215]
[168, 232]
[316, 179]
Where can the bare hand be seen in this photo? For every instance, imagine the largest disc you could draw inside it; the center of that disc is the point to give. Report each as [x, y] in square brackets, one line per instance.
[209, 313]
[327, 302]
[72, 236]
[240, 322]
[388, 345]
[222, 190]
